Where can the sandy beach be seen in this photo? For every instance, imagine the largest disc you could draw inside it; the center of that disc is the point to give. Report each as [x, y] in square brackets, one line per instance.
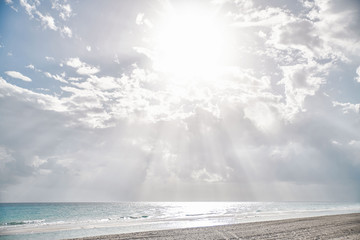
[346, 226]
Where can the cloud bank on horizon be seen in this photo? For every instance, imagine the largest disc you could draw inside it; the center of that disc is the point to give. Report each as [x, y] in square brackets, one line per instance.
[223, 100]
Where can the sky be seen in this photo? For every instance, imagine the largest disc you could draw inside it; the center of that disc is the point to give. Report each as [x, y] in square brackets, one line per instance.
[169, 100]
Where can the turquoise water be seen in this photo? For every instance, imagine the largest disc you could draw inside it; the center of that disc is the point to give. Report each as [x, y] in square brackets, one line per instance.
[69, 220]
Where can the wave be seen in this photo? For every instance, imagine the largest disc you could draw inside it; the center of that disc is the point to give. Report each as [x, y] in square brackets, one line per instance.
[135, 217]
[42, 221]
[23, 222]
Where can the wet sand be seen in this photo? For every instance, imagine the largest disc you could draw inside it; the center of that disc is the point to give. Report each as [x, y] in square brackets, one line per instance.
[345, 226]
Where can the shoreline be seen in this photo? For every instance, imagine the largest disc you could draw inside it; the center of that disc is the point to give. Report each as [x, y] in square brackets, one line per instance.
[323, 227]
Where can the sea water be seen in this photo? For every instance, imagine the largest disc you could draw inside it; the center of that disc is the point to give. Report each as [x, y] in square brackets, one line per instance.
[70, 220]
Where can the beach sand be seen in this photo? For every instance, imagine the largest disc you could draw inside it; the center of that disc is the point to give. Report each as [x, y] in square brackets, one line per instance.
[345, 226]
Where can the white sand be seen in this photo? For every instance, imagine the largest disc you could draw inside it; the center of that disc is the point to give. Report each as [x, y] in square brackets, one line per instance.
[345, 226]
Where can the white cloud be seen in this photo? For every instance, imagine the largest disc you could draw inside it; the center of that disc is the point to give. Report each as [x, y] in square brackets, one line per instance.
[336, 24]
[82, 68]
[357, 78]
[66, 13]
[74, 62]
[300, 81]
[263, 116]
[139, 18]
[76, 79]
[28, 7]
[10, 2]
[30, 66]
[298, 34]
[114, 98]
[262, 34]
[104, 83]
[247, 16]
[43, 89]
[43, 101]
[355, 143]
[56, 77]
[66, 31]
[268, 126]
[47, 20]
[204, 175]
[335, 142]
[50, 59]
[14, 8]
[88, 48]
[18, 75]
[48, 74]
[347, 107]
[5, 155]
[37, 161]
[145, 51]
[65, 10]
[116, 59]
[87, 70]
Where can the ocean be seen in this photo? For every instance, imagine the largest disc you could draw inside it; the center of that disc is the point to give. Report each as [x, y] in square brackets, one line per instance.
[70, 220]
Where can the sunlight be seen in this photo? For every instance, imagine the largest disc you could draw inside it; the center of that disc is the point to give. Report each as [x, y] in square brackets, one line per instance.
[190, 43]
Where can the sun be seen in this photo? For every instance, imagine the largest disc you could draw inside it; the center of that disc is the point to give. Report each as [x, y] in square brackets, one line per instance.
[190, 43]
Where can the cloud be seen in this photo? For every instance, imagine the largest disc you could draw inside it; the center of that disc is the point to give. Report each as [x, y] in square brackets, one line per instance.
[65, 10]
[42, 101]
[87, 70]
[299, 33]
[74, 62]
[141, 20]
[47, 20]
[204, 175]
[300, 81]
[82, 68]
[246, 15]
[56, 77]
[277, 122]
[10, 2]
[76, 79]
[66, 31]
[31, 9]
[17, 164]
[33, 162]
[50, 59]
[103, 100]
[30, 66]
[104, 83]
[116, 59]
[18, 75]
[347, 107]
[28, 7]
[336, 24]
[263, 116]
[357, 78]
[199, 150]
